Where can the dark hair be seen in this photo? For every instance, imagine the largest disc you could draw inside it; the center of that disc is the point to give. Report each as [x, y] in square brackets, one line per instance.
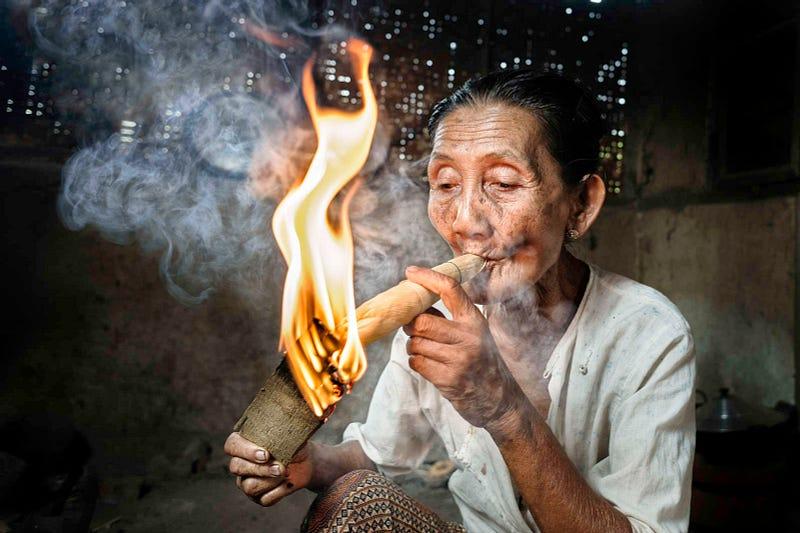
[573, 125]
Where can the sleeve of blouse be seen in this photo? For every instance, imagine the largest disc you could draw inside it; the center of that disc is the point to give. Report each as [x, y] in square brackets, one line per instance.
[396, 435]
[648, 472]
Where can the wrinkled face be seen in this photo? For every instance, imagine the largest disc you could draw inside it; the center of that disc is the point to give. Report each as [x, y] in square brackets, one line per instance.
[496, 191]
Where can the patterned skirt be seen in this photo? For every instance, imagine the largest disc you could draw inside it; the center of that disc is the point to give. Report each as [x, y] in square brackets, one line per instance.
[365, 501]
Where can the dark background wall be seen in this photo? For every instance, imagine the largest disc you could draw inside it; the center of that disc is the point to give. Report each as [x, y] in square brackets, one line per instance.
[725, 255]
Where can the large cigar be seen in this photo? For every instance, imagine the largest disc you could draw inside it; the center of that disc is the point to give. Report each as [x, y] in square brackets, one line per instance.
[278, 418]
[396, 307]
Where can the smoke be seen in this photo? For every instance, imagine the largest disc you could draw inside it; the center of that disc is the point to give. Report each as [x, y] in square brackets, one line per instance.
[193, 129]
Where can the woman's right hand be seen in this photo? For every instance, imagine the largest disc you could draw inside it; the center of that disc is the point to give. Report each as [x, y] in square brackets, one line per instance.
[260, 476]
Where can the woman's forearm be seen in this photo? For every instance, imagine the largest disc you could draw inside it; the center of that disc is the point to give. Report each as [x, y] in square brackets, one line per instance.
[331, 462]
[558, 497]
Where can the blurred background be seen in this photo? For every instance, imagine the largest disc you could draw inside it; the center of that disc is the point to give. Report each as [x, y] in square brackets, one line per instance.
[141, 275]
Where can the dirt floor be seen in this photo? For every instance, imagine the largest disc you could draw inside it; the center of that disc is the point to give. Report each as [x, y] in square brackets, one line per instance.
[209, 501]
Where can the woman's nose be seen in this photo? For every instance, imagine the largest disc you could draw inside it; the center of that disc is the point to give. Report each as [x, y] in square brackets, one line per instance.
[470, 220]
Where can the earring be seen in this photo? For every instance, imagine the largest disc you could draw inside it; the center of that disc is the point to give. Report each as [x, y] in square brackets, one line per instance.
[572, 235]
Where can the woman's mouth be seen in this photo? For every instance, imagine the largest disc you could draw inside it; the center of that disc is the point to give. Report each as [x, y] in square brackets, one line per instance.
[493, 259]
[493, 262]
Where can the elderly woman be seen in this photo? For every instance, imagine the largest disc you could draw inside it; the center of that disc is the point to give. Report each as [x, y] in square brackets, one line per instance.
[563, 393]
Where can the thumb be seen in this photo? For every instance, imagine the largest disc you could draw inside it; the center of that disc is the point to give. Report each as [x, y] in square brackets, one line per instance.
[448, 289]
[238, 446]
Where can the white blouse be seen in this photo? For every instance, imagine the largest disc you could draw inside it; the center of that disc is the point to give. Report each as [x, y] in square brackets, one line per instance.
[621, 385]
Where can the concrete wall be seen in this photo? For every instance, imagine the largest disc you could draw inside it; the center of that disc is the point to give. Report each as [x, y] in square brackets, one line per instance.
[729, 267]
[99, 341]
[727, 261]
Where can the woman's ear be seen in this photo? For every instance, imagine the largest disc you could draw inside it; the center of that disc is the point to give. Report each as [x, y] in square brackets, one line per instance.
[589, 199]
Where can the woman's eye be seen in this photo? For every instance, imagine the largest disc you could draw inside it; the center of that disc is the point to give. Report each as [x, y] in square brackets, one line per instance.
[502, 178]
[445, 186]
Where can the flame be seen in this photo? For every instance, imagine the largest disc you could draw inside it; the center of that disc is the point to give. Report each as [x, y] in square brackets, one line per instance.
[319, 253]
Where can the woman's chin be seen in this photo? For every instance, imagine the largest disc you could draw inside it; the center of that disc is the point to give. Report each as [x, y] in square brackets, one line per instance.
[501, 281]
[490, 287]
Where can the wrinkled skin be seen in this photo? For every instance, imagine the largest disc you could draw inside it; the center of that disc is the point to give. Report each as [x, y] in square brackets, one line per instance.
[262, 478]
[459, 356]
[496, 191]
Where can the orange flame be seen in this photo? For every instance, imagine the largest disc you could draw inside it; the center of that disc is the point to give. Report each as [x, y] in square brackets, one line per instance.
[319, 253]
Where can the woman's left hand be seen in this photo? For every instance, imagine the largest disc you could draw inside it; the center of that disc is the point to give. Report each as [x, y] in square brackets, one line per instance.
[459, 356]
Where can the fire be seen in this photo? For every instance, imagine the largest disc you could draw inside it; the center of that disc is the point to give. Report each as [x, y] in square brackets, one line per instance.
[318, 292]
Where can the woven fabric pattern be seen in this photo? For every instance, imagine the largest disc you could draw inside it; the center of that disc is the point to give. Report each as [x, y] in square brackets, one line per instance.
[365, 501]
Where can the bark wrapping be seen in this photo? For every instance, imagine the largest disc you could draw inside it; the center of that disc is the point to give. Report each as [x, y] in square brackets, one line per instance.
[278, 419]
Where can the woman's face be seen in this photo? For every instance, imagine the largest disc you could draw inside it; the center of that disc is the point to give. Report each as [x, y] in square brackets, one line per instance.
[496, 191]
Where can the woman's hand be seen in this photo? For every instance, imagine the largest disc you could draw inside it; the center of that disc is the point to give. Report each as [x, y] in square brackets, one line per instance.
[263, 479]
[459, 356]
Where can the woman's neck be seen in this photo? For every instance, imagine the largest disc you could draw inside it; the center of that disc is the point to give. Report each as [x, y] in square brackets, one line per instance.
[546, 308]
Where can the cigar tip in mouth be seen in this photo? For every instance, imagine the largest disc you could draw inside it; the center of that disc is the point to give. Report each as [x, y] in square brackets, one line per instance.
[467, 265]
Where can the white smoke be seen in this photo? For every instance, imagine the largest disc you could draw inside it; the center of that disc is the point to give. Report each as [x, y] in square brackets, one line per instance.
[188, 158]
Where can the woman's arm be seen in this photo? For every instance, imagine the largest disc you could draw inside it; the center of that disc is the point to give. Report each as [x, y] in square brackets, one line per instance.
[461, 359]
[554, 491]
[332, 462]
[647, 473]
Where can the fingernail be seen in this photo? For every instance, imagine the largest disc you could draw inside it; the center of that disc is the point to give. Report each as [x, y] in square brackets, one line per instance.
[261, 455]
[412, 268]
[275, 470]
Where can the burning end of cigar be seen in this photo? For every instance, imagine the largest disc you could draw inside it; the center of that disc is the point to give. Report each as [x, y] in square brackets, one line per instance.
[317, 245]
[324, 345]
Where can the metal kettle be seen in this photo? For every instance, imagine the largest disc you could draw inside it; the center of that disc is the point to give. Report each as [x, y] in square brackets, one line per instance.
[727, 413]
